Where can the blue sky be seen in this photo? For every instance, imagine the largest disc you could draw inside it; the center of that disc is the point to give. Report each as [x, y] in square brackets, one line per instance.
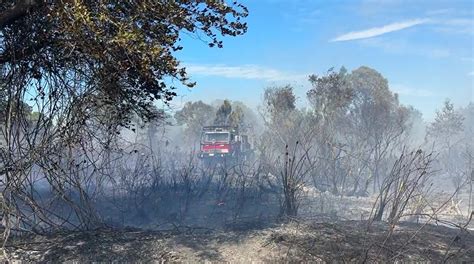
[424, 48]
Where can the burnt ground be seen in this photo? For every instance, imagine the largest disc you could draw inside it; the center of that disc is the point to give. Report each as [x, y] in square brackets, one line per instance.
[308, 241]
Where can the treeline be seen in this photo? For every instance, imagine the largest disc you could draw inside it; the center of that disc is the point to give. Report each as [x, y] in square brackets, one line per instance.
[353, 130]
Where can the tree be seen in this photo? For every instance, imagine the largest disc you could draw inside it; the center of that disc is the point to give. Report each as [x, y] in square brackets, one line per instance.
[377, 121]
[286, 147]
[330, 94]
[231, 114]
[242, 116]
[194, 115]
[90, 68]
[360, 122]
[118, 50]
[448, 124]
[250, 122]
[279, 100]
[281, 118]
[330, 97]
[237, 117]
[446, 132]
[223, 114]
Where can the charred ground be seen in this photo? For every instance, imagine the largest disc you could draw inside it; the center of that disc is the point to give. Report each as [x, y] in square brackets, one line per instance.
[316, 240]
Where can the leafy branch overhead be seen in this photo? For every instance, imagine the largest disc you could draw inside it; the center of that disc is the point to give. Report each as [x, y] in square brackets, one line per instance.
[121, 51]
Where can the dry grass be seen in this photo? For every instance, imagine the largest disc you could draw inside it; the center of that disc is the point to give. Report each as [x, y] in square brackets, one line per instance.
[292, 242]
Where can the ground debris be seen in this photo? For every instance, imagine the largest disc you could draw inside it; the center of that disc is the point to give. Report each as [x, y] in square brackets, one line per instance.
[305, 241]
[355, 241]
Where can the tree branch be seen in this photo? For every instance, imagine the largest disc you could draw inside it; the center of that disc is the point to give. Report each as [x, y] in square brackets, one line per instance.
[19, 10]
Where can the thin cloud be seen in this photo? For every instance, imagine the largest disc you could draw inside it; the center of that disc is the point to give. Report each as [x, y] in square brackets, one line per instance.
[377, 31]
[471, 73]
[249, 72]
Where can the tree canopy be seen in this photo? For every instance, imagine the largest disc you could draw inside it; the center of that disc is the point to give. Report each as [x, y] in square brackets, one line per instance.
[447, 122]
[194, 115]
[118, 51]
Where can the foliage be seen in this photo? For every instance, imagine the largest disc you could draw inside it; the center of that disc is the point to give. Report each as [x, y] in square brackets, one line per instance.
[279, 100]
[194, 115]
[448, 123]
[454, 143]
[232, 114]
[117, 51]
[330, 94]
[377, 120]
[223, 114]
[236, 118]
[87, 69]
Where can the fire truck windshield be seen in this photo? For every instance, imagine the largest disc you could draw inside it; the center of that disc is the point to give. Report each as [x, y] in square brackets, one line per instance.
[216, 137]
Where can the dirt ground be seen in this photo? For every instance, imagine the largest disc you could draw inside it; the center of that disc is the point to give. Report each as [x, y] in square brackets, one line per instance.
[316, 240]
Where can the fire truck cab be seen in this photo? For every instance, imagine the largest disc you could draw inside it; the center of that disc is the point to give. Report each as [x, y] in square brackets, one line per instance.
[223, 142]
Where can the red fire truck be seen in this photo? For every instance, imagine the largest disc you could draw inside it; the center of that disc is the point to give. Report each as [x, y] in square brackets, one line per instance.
[224, 142]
